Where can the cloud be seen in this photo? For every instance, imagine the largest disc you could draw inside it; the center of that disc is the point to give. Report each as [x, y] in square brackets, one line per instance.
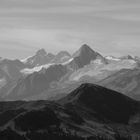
[110, 26]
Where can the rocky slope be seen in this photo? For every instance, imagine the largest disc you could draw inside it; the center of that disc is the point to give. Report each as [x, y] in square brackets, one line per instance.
[84, 56]
[40, 58]
[125, 81]
[35, 83]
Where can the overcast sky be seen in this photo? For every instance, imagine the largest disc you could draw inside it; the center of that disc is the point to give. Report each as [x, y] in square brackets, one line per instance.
[111, 27]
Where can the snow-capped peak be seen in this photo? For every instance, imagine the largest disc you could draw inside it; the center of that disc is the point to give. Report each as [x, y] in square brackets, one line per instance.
[40, 58]
[41, 52]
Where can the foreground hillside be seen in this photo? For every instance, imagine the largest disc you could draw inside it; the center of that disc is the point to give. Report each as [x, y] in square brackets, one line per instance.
[89, 112]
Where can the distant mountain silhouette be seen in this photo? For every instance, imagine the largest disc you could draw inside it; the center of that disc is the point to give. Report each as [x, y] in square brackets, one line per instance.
[35, 83]
[18, 78]
[40, 58]
[61, 57]
[84, 56]
[10, 71]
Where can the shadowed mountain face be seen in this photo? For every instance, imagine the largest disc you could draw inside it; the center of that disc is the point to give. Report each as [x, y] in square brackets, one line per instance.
[35, 83]
[40, 58]
[61, 57]
[89, 112]
[106, 103]
[10, 71]
[125, 81]
[84, 56]
[11, 68]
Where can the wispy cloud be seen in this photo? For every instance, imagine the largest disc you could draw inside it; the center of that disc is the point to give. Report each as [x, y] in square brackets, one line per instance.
[108, 25]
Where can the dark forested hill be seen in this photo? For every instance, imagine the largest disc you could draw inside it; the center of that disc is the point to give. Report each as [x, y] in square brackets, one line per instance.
[89, 112]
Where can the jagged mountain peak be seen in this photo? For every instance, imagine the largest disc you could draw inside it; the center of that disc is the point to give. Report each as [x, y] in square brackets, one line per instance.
[84, 49]
[50, 55]
[84, 56]
[41, 52]
[40, 58]
[64, 53]
[61, 57]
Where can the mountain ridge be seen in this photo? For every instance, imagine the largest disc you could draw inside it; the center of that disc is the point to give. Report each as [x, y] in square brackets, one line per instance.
[66, 118]
[84, 65]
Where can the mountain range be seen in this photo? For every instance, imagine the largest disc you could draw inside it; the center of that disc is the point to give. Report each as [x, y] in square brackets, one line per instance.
[41, 75]
[83, 96]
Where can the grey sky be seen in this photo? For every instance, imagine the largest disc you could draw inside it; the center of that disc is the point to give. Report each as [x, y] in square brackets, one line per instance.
[109, 26]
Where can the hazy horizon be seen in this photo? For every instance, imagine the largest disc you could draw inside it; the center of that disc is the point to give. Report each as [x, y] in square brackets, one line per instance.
[110, 27]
